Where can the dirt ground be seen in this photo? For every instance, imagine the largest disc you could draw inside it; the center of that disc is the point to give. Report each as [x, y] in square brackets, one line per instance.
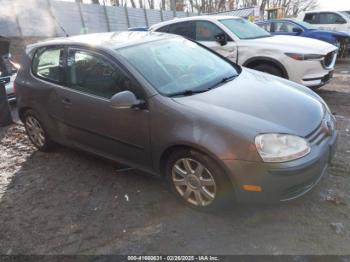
[69, 202]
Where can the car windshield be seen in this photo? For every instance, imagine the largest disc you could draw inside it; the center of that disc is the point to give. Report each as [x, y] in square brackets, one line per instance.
[244, 29]
[347, 13]
[177, 66]
[305, 24]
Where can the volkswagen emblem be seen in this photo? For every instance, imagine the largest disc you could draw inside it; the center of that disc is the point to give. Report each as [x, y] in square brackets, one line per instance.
[328, 127]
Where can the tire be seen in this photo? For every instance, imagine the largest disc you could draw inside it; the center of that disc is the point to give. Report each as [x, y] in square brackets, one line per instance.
[267, 68]
[342, 48]
[207, 190]
[36, 131]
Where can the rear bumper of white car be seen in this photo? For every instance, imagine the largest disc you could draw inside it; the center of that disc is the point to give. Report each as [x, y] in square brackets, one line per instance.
[311, 73]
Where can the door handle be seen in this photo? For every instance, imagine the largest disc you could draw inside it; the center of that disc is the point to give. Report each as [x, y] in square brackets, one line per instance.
[66, 101]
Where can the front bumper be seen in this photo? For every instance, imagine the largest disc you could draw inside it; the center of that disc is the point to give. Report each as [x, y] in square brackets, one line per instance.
[282, 181]
[310, 73]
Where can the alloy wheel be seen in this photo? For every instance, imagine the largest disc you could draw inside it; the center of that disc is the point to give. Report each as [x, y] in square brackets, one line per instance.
[35, 132]
[194, 182]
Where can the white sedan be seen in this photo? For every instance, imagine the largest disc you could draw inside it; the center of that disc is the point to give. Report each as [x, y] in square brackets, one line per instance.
[305, 61]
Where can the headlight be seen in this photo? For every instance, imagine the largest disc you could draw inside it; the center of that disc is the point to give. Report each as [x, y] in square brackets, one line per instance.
[281, 147]
[305, 56]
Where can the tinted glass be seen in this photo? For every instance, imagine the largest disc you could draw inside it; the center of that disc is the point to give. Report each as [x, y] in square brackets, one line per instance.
[186, 29]
[175, 65]
[164, 29]
[311, 18]
[331, 18]
[93, 74]
[244, 29]
[47, 64]
[206, 31]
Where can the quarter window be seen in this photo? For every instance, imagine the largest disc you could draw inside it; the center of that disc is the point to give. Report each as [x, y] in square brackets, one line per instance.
[186, 29]
[47, 64]
[164, 29]
[94, 75]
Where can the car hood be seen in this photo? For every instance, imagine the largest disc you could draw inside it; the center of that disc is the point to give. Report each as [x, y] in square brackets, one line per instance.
[294, 44]
[261, 103]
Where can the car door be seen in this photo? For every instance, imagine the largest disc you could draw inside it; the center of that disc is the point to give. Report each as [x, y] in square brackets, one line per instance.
[207, 33]
[48, 70]
[91, 122]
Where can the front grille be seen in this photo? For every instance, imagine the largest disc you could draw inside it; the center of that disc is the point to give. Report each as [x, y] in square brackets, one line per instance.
[4, 80]
[328, 59]
[324, 130]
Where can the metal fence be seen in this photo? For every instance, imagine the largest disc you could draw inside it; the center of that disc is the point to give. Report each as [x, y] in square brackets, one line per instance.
[44, 18]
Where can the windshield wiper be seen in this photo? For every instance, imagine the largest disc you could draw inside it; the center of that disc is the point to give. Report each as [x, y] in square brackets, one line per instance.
[227, 79]
[223, 80]
[189, 92]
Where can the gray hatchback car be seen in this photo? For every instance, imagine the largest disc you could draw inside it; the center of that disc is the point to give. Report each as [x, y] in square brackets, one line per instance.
[169, 106]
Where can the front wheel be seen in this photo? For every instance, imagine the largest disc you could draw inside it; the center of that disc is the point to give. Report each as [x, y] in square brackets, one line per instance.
[267, 68]
[198, 181]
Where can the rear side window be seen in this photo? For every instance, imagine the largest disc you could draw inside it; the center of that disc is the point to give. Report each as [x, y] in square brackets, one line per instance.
[186, 29]
[93, 74]
[331, 18]
[48, 64]
[311, 18]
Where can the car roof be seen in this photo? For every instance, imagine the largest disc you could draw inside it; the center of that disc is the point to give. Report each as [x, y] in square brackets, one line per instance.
[321, 11]
[192, 18]
[278, 20]
[112, 40]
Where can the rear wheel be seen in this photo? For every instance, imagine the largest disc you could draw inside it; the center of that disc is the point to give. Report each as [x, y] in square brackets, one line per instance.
[267, 68]
[197, 180]
[36, 132]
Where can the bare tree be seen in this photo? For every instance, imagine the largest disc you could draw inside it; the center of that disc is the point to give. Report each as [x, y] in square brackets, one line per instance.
[115, 2]
[291, 7]
[151, 4]
[133, 3]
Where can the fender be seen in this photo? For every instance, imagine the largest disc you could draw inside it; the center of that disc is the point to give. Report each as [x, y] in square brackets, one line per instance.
[269, 60]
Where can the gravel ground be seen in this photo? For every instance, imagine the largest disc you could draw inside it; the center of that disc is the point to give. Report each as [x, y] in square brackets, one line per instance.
[69, 202]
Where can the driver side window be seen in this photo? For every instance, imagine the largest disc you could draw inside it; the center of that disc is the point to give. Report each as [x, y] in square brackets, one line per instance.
[95, 75]
[206, 31]
[285, 27]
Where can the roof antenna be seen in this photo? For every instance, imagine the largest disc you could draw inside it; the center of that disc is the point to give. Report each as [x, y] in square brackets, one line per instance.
[67, 35]
[59, 25]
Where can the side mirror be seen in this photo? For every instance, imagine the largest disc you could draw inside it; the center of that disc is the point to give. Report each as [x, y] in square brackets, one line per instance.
[297, 30]
[221, 39]
[340, 21]
[125, 100]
